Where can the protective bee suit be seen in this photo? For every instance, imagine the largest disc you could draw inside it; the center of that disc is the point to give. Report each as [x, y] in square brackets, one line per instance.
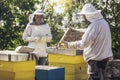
[96, 43]
[37, 35]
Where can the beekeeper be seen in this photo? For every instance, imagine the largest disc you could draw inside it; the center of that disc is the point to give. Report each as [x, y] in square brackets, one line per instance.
[96, 42]
[38, 33]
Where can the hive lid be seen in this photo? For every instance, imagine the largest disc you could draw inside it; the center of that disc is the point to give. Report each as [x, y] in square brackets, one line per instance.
[64, 51]
[47, 67]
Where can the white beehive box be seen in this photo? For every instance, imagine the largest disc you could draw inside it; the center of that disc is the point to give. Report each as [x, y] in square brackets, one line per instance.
[66, 51]
[5, 55]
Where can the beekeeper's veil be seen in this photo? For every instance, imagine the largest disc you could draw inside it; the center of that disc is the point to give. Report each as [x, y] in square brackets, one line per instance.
[90, 12]
[37, 12]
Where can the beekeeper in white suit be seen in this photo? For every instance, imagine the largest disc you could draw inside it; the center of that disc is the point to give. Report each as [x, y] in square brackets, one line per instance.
[38, 33]
[96, 42]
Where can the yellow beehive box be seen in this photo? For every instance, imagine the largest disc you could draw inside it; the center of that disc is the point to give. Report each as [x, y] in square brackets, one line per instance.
[17, 79]
[72, 68]
[80, 76]
[17, 66]
[24, 75]
[61, 58]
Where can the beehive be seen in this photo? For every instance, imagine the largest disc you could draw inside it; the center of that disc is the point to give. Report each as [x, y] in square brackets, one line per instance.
[72, 52]
[61, 58]
[71, 59]
[71, 69]
[80, 76]
[22, 75]
[7, 55]
[49, 73]
[15, 68]
[74, 64]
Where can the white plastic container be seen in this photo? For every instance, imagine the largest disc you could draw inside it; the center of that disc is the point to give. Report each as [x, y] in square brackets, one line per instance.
[7, 55]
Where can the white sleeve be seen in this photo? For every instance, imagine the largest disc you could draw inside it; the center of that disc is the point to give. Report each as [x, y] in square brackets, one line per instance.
[27, 34]
[48, 36]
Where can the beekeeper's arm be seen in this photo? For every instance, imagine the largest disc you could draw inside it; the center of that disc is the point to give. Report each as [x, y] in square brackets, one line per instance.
[27, 35]
[48, 35]
[87, 39]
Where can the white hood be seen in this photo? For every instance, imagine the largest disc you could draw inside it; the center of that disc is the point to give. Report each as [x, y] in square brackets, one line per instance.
[91, 13]
[37, 12]
[94, 17]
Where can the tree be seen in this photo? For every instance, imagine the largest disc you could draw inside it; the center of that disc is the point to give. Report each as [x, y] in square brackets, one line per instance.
[111, 12]
[13, 19]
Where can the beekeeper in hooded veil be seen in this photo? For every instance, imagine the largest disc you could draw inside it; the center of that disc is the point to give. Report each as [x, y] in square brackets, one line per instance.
[96, 42]
[38, 33]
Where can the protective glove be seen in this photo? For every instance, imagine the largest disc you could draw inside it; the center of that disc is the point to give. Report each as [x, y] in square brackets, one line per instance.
[111, 58]
[48, 38]
[43, 38]
[32, 39]
[37, 39]
[28, 39]
[64, 43]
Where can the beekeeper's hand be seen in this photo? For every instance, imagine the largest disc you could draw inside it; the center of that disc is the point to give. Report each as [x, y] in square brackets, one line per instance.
[28, 39]
[111, 58]
[43, 39]
[37, 39]
[31, 39]
[63, 43]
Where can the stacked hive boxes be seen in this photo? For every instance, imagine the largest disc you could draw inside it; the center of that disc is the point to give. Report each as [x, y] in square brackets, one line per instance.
[75, 66]
[17, 70]
[71, 59]
[49, 73]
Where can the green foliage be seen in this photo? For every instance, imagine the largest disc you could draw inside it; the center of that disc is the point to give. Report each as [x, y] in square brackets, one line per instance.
[54, 21]
[110, 10]
[13, 18]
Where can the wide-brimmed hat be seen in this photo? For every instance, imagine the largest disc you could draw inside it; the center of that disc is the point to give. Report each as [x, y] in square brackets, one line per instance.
[38, 12]
[88, 9]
